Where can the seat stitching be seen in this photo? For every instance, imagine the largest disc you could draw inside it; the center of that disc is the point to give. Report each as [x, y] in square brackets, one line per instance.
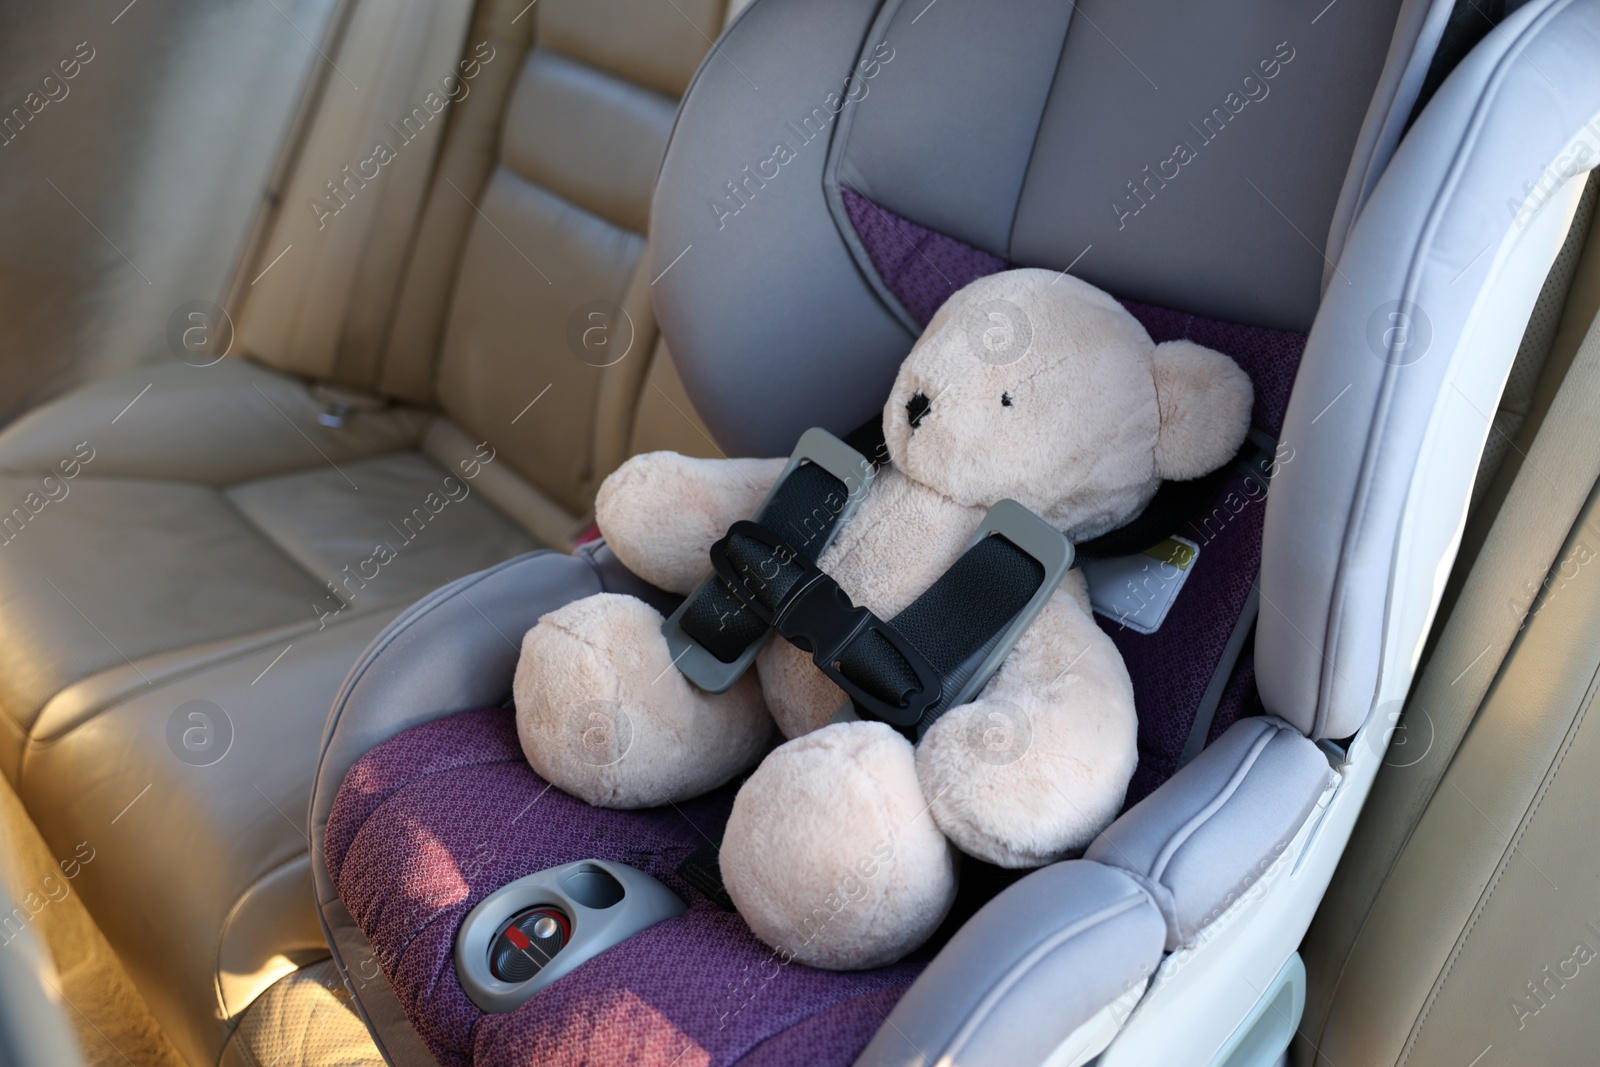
[246, 644]
[615, 75]
[1505, 863]
[266, 535]
[511, 172]
[31, 740]
[503, 161]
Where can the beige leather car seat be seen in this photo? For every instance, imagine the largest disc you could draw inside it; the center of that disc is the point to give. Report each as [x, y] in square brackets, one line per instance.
[443, 353]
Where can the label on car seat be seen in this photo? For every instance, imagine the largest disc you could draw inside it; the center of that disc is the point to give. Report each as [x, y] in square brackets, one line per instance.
[1138, 591]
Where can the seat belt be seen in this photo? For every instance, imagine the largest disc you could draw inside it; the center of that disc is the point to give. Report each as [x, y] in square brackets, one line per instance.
[932, 656]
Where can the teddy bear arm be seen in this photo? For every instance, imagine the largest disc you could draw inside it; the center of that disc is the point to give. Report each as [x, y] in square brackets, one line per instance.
[661, 511]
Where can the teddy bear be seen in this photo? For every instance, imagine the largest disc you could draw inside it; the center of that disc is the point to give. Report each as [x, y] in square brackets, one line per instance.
[841, 848]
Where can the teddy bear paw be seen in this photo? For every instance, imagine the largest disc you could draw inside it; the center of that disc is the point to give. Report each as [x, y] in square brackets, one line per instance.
[603, 714]
[830, 854]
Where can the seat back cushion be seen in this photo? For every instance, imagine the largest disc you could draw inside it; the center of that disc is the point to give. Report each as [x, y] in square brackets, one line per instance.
[549, 331]
[1138, 144]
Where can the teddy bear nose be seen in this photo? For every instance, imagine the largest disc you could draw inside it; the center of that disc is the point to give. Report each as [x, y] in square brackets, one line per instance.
[916, 408]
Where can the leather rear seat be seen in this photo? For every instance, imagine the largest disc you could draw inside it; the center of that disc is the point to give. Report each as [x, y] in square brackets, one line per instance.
[191, 557]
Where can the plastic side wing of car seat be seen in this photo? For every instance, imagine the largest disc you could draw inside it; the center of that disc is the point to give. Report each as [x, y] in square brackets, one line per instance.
[1213, 829]
[1026, 974]
[1453, 246]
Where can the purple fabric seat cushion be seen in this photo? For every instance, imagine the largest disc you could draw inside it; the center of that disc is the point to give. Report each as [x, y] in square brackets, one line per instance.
[434, 819]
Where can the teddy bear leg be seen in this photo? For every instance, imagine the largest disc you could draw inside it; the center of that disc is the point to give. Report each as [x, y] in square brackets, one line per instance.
[603, 714]
[1039, 764]
[830, 853]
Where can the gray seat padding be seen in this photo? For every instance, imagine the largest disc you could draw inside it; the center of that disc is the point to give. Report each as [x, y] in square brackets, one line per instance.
[1036, 125]
[1031, 967]
[1212, 830]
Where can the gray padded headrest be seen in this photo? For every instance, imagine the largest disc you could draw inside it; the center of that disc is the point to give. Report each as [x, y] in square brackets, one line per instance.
[1189, 156]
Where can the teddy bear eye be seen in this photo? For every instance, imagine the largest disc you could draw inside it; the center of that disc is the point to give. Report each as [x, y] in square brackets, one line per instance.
[1005, 400]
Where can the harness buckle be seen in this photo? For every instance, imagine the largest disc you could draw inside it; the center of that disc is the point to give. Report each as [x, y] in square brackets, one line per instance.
[854, 474]
[816, 615]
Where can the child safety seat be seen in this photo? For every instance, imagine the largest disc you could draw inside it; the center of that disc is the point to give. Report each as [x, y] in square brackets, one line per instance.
[1299, 186]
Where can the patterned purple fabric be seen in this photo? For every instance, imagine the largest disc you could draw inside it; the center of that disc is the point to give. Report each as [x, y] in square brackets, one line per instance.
[921, 267]
[924, 268]
[829, 1036]
[1172, 667]
[434, 819]
[1239, 697]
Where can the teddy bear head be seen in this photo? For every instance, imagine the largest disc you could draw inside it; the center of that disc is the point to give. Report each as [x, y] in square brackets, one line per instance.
[1034, 385]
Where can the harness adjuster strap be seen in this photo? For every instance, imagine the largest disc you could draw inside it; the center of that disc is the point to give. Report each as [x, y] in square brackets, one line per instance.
[816, 615]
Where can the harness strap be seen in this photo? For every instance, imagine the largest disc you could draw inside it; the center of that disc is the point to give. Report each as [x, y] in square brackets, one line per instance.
[938, 651]
[1174, 503]
[932, 656]
[962, 614]
[715, 633]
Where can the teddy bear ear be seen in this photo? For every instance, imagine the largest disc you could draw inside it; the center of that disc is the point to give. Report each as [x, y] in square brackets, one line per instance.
[1205, 401]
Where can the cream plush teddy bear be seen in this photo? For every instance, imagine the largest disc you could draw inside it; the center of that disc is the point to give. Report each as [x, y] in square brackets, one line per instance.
[1027, 384]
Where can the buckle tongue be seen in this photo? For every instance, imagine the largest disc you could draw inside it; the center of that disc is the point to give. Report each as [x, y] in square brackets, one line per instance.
[854, 474]
[814, 613]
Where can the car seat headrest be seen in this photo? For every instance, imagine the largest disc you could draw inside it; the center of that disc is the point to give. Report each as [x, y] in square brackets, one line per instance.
[1160, 151]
